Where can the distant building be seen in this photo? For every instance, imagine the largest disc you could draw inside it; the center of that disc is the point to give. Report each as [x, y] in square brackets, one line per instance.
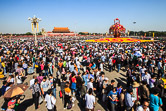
[61, 30]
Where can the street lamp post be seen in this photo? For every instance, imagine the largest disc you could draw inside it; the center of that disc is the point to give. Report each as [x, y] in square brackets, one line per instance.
[35, 23]
[134, 31]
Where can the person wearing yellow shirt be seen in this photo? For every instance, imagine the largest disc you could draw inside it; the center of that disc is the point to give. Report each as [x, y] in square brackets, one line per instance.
[4, 67]
[3, 64]
[164, 79]
[1, 74]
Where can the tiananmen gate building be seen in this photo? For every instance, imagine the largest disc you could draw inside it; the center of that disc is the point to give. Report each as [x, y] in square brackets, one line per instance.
[60, 31]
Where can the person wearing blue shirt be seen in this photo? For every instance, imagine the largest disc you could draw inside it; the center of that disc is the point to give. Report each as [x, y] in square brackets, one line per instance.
[3, 88]
[128, 100]
[103, 58]
[155, 101]
[93, 66]
[112, 95]
[119, 89]
[84, 77]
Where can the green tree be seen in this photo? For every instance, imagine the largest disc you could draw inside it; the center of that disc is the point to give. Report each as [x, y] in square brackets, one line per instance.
[28, 33]
[40, 33]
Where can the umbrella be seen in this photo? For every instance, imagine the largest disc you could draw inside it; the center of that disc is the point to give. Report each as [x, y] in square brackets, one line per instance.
[59, 44]
[41, 48]
[136, 49]
[138, 54]
[15, 90]
[72, 49]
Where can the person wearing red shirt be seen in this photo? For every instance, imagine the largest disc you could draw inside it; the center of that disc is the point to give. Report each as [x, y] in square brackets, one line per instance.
[73, 84]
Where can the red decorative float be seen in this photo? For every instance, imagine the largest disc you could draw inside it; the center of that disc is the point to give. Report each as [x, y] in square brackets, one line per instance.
[117, 29]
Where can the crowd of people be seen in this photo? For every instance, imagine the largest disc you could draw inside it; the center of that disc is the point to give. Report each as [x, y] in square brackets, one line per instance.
[80, 70]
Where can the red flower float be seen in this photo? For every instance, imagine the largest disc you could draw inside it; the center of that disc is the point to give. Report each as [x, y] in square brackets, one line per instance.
[117, 29]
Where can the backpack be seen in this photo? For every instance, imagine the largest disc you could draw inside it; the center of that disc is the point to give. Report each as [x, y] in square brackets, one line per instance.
[54, 82]
[64, 64]
[60, 94]
[52, 66]
[36, 65]
[33, 60]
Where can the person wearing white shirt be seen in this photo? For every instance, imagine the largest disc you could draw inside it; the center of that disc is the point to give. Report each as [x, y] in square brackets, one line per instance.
[78, 65]
[44, 59]
[12, 80]
[45, 86]
[90, 100]
[146, 77]
[143, 107]
[18, 79]
[142, 70]
[102, 66]
[90, 84]
[110, 64]
[68, 57]
[80, 58]
[98, 73]
[50, 101]
[76, 59]
[15, 65]
[32, 81]
[28, 58]
[103, 58]
[25, 66]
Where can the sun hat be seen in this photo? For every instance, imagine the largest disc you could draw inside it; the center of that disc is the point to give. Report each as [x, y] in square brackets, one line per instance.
[135, 84]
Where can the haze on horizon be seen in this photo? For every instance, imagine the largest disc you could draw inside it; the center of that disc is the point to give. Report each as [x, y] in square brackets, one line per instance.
[94, 16]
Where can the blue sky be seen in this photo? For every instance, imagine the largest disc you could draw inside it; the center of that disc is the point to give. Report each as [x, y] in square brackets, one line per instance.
[82, 15]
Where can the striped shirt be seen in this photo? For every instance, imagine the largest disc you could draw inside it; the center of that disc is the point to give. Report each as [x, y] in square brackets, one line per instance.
[35, 88]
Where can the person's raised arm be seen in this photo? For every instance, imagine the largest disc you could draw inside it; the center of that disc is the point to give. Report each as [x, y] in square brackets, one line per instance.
[110, 98]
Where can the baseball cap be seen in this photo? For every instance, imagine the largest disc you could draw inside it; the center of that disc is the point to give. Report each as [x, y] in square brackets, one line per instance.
[106, 79]
[11, 102]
